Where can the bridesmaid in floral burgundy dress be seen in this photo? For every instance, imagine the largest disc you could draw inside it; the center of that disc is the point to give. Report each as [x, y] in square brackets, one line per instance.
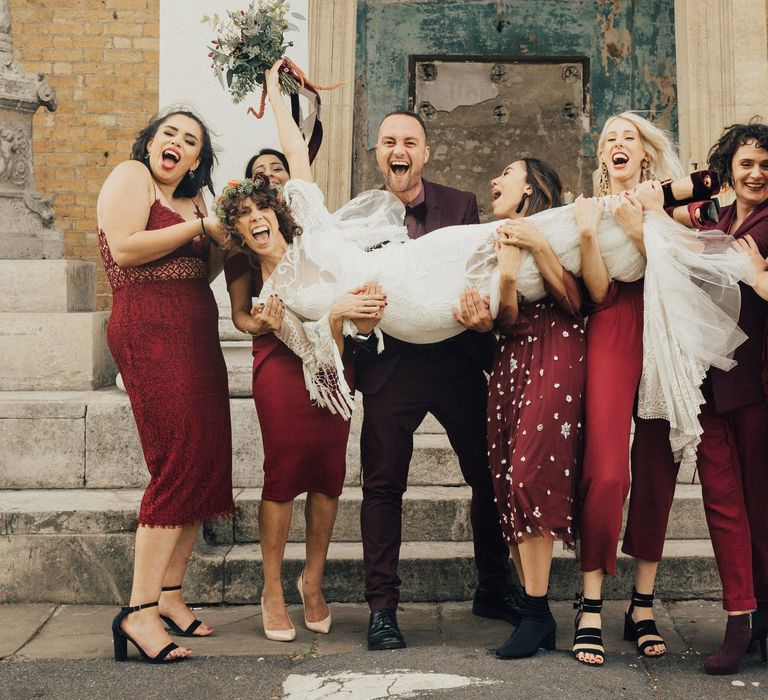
[535, 399]
[163, 333]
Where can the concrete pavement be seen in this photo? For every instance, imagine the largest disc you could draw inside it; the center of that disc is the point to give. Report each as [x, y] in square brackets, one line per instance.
[64, 651]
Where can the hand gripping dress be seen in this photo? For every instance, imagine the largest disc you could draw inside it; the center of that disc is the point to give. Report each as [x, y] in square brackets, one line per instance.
[163, 334]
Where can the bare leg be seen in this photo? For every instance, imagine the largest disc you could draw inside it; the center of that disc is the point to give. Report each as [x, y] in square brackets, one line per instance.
[320, 515]
[593, 589]
[274, 523]
[536, 560]
[514, 554]
[154, 548]
[645, 580]
[172, 603]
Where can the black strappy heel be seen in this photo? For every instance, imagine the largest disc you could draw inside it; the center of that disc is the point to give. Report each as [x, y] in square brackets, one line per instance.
[120, 639]
[587, 635]
[642, 628]
[173, 628]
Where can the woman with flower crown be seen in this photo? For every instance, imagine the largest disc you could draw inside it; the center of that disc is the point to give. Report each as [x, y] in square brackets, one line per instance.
[264, 228]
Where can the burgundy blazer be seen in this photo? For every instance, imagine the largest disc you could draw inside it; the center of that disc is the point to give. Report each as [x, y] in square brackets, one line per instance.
[743, 385]
[446, 206]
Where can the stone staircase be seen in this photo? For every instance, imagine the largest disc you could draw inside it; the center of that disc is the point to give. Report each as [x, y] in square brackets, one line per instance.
[71, 478]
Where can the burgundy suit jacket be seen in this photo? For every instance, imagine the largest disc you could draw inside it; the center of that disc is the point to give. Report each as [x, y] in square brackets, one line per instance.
[743, 385]
[446, 206]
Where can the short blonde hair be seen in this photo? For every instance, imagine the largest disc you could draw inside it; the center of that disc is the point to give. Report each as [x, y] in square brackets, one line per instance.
[658, 144]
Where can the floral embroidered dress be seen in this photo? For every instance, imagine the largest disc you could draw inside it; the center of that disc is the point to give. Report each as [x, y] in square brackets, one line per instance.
[163, 334]
[534, 421]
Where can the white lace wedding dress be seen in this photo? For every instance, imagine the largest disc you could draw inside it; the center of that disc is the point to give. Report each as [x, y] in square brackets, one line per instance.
[691, 298]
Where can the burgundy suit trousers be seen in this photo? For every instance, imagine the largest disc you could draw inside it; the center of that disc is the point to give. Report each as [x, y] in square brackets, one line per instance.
[441, 380]
[733, 467]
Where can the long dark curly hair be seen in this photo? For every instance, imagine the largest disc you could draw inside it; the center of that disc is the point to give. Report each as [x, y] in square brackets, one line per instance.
[734, 137]
[189, 186]
[259, 190]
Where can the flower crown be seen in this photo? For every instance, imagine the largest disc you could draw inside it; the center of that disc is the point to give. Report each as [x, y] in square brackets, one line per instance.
[239, 189]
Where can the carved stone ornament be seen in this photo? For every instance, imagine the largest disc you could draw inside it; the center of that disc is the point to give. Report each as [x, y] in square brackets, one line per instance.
[28, 233]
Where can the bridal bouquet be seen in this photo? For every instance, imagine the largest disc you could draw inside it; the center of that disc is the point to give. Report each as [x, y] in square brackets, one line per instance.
[247, 43]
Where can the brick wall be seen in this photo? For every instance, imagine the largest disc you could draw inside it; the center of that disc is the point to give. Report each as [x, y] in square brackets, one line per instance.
[101, 56]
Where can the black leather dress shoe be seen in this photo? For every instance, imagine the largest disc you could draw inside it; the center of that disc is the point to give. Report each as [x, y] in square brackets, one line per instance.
[499, 605]
[383, 632]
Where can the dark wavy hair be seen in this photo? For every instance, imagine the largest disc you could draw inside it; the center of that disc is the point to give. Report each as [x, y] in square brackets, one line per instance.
[267, 152]
[189, 186]
[264, 197]
[546, 185]
[734, 137]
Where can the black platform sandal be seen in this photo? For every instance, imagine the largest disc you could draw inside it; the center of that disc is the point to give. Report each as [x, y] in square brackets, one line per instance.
[173, 628]
[642, 628]
[587, 635]
[120, 639]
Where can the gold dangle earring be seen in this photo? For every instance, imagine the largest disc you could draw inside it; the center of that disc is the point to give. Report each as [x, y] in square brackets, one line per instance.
[603, 185]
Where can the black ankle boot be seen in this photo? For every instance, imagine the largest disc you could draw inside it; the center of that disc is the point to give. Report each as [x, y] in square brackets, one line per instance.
[537, 630]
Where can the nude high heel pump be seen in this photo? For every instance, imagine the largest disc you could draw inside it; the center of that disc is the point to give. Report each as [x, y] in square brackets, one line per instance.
[276, 635]
[324, 625]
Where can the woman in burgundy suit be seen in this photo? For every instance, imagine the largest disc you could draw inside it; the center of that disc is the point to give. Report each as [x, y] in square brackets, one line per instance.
[163, 334]
[304, 444]
[534, 399]
[631, 150]
[732, 459]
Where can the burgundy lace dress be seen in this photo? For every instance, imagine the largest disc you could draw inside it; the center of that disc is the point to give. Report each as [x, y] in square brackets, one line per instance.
[534, 418]
[305, 446]
[163, 334]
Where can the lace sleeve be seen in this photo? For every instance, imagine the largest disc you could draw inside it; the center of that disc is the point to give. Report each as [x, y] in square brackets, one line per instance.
[324, 378]
[307, 204]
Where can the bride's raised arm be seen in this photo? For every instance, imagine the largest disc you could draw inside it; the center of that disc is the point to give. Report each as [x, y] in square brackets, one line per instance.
[291, 140]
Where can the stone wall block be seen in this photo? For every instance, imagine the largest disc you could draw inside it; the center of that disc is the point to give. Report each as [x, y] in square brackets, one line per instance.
[42, 448]
[54, 351]
[36, 286]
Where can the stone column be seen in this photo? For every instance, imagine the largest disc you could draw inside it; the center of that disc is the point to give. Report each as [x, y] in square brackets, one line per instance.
[332, 39]
[722, 70]
[51, 337]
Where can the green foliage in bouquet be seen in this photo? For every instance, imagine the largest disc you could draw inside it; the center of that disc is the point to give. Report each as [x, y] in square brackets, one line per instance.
[248, 43]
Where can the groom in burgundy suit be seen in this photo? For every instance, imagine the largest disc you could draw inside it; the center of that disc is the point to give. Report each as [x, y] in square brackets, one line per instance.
[407, 381]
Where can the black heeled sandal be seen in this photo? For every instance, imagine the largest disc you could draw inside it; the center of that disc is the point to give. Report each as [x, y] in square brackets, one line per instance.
[173, 628]
[120, 639]
[642, 628]
[587, 635]
[703, 184]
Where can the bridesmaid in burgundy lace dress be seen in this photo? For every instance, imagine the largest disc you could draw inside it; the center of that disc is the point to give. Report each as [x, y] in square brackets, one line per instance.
[153, 235]
[535, 399]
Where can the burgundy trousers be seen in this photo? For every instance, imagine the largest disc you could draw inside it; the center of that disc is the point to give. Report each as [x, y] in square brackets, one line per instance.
[440, 380]
[614, 363]
[733, 467]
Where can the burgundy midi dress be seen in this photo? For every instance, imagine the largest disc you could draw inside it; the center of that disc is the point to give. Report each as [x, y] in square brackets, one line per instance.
[163, 334]
[534, 421]
[305, 445]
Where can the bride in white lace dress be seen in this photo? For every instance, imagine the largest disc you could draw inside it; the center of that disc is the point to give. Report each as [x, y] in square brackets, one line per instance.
[692, 297]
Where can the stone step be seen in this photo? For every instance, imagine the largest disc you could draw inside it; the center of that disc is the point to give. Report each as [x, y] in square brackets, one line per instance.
[96, 568]
[58, 285]
[237, 355]
[430, 514]
[60, 439]
[55, 351]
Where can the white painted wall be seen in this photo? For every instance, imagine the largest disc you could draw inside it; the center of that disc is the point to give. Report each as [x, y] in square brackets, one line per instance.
[186, 78]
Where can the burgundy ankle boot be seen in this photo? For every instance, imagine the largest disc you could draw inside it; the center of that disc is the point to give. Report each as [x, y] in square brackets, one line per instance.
[738, 634]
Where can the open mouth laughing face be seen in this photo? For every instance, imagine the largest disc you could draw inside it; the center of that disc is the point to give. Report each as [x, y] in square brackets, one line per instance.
[259, 229]
[623, 151]
[175, 149]
[401, 153]
[507, 190]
